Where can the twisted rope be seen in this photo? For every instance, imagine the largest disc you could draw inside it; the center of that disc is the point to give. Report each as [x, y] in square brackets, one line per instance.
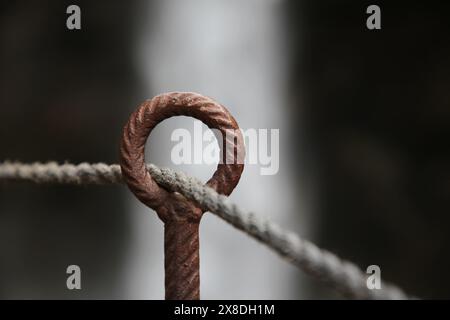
[342, 275]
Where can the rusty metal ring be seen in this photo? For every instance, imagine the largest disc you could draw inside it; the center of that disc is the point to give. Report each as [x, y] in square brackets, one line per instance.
[139, 127]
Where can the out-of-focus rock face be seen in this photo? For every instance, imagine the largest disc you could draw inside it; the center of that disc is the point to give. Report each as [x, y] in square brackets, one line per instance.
[376, 110]
[64, 96]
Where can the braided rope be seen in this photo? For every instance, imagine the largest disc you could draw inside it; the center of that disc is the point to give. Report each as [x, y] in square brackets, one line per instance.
[342, 275]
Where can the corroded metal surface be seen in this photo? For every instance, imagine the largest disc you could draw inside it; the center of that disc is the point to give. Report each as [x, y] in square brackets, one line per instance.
[181, 217]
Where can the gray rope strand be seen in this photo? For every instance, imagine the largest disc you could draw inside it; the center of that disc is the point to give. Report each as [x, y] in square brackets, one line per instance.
[342, 275]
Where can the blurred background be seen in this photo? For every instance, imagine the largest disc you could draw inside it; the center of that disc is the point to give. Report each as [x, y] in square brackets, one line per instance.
[364, 140]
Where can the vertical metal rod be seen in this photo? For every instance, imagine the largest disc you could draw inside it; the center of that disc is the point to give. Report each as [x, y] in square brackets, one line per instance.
[182, 260]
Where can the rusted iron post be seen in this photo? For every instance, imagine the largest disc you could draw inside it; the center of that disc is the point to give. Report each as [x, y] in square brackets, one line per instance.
[181, 217]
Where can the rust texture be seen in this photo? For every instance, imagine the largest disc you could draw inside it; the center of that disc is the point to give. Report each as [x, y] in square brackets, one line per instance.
[181, 217]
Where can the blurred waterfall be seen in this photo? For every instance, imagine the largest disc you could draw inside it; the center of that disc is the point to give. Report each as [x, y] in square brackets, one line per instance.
[234, 52]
